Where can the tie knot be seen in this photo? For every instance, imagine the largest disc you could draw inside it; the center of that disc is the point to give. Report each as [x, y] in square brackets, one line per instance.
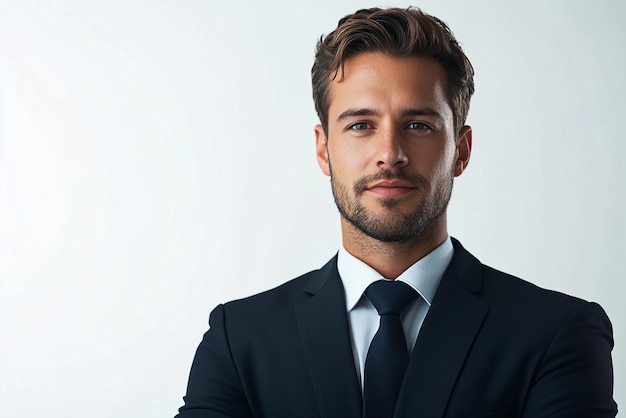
[390, 297]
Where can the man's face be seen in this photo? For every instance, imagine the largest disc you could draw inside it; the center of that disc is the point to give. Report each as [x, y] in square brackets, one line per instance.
[392, 151]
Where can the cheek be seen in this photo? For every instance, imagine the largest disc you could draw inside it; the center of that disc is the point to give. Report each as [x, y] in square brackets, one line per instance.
[448, 163]
[437, 161]
[346, 160]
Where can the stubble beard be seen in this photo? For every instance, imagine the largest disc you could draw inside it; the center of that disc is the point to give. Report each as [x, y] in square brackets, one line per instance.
[395, 226]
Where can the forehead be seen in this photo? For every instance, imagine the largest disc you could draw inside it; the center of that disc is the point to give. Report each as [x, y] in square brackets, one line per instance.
[389, 84]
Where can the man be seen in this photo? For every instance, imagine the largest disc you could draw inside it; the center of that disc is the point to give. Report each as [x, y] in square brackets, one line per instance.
[392, 90]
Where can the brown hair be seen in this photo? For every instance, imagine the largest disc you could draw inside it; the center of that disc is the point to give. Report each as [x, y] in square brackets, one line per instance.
[396, 32]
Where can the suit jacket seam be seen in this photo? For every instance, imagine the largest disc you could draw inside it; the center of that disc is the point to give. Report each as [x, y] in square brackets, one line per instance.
[557, 334]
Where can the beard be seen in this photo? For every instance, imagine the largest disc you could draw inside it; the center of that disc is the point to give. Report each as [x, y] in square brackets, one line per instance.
[395, 226]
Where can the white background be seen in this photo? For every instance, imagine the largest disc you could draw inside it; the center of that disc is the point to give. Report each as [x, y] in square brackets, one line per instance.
[157, 158]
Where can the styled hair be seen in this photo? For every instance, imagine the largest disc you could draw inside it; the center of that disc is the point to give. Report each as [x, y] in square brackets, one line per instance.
[398, 33]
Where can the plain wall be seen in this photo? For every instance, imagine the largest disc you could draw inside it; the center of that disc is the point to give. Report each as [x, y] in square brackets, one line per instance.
[157, 158]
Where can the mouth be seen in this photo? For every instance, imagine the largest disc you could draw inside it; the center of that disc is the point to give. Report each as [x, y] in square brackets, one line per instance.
[391, 188]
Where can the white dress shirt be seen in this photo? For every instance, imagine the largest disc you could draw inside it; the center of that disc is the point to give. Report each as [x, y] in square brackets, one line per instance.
[423, 276]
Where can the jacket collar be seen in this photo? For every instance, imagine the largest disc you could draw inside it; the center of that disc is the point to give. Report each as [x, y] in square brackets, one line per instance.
[444, 341]
[323, 325]
[445, 338]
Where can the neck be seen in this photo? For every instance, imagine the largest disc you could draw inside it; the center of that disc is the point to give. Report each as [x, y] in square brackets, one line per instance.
[391, 259]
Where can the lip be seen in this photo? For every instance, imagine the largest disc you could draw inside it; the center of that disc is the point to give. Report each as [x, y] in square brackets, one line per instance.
[391, 188]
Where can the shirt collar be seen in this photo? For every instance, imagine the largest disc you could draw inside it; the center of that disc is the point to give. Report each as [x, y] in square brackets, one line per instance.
[423, 276]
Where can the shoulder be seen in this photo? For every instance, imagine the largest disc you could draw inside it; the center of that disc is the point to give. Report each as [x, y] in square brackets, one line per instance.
[500, 288]
[545, 344]
[288, 294]
[278, 303]
[530, 316]
[507, 293]
[518, 302]
[511, 290]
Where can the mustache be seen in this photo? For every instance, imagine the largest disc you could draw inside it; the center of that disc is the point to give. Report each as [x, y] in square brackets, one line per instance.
[416, 181]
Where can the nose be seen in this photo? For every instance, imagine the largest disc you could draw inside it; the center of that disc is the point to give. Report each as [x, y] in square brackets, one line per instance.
[390, 151]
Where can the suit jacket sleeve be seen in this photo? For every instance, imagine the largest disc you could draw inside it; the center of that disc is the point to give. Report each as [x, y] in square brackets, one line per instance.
[575, 379]
[214, 389]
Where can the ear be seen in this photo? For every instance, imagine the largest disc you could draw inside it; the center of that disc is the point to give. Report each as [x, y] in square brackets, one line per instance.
[463, 150]
[321, 147]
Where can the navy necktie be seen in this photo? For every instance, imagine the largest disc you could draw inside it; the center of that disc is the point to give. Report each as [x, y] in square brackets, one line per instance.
[387, 357]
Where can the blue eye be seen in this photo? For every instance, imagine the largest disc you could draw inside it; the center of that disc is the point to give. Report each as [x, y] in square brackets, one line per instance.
[359, 126]
[418, 126]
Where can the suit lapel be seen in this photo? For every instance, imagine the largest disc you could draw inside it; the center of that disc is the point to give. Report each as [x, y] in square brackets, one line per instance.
[323, 324]
[444, 340]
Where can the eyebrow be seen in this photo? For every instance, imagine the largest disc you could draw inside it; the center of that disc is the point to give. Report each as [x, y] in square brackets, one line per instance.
[423, 111]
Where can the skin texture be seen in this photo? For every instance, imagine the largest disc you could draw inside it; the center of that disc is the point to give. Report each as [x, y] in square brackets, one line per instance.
[392, 153]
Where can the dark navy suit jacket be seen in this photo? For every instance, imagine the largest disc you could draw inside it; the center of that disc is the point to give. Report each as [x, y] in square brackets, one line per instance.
[492, 345]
